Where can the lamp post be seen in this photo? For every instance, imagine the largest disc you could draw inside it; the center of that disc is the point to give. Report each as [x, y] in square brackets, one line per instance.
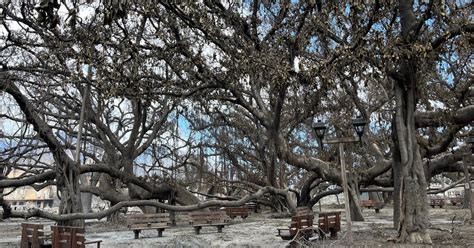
[320, 129]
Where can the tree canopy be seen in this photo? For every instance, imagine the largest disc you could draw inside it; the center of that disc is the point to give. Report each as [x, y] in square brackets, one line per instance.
[225, 93]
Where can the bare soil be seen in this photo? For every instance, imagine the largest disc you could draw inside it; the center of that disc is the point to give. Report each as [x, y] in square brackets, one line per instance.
[449, 228]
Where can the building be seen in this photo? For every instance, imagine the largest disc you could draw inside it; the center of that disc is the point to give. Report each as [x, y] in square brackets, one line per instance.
[25, 197]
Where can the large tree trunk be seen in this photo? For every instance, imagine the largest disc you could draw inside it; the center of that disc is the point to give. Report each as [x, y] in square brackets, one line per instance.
[86, 202]
[271, 169]
[86, 196]
[5, 206]
[306, 189]
[413, 223]
[356, 210]
[396, 195]
[70, 193]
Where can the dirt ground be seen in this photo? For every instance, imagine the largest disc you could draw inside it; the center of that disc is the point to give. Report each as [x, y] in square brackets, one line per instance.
[449, 228]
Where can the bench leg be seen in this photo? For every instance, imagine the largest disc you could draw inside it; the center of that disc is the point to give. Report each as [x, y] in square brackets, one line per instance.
[197, 229]
[160, 232]
[333, 233]
[322, 234]
[137, 233]
[98, 244]
[377, 210]
[219, 229]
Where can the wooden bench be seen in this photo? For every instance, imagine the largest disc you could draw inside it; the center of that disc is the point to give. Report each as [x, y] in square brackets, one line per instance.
[233, 212]
[139, 222]
[437, 202]
[456, 200]
[329, 222]
[300, 224]
[33, 236]
[252, 206]
[377, 205]
[70, 237]
[199, 219]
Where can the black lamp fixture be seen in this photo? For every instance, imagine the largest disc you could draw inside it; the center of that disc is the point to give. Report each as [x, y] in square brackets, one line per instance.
[470, 141]
[359, 126]
[320, 129]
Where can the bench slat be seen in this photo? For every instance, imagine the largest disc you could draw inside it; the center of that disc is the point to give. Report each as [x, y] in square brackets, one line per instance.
[147, 227]
[213, 224]
[148, 221]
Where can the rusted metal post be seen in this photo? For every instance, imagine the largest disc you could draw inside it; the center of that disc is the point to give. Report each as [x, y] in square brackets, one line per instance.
[346, 193]
[340, 142]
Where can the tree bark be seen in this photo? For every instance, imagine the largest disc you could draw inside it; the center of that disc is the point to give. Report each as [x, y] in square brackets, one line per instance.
[356, 210]
[413, 222]
[468, 204]
[5, 206]
[70, 193]
[396, 195]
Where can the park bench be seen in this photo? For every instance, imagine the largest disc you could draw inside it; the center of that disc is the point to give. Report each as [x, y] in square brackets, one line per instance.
[456, 200]
[33, 236]
[139, 222]
[329, 222]
[377, 205]
[437, 202]
[252, 206]
[233, 212]
[70, 237]
[300, 225]
[199, 219]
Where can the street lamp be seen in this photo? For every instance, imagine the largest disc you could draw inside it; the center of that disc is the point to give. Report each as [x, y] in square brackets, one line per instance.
[359, 126]
[320, 129]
